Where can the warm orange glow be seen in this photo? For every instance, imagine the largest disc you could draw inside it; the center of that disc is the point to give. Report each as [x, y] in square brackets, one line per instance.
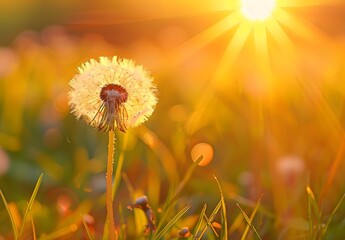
[257, 9]
[204, 149]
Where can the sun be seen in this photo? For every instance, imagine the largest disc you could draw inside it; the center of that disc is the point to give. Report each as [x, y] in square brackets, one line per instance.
[257, 9]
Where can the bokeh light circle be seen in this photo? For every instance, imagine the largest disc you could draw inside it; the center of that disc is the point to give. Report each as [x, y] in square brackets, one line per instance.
[204, 149]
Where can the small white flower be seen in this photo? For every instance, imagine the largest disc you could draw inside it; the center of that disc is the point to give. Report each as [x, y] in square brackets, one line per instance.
[112, 93]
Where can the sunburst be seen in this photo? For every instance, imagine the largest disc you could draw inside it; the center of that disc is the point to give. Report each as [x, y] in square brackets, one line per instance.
[262, 20]
[257, 10]
[273, 20]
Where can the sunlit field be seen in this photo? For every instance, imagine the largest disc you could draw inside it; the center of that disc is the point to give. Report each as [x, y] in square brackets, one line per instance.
[246, 141]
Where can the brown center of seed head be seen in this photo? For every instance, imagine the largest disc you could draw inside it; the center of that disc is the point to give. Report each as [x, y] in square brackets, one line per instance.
[114, 93]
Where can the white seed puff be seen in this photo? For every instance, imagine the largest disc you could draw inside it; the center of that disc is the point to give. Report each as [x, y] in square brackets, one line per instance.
[112, 93]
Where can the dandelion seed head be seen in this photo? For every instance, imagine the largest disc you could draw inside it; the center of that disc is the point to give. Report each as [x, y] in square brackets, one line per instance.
[112, 93]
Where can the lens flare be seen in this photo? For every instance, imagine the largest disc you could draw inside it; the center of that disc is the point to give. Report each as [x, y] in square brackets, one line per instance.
[257, 9]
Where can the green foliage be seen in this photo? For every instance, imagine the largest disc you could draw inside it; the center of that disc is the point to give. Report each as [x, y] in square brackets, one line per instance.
[31, 202]
[250, 220]
[14, 228]
[161, 233]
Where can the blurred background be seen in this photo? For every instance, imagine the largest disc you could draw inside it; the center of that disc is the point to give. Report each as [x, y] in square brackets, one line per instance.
[263, 101]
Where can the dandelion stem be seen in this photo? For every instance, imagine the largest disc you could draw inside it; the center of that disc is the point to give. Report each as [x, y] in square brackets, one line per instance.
[109, 180]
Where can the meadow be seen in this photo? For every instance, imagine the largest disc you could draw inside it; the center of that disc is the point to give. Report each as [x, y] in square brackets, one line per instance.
[247, 139]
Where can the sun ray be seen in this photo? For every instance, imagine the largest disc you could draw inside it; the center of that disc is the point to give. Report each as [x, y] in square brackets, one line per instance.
[308, 3]
[235, 45]
[260, 42]
[315, 94]
[202, 39]
[262, 55]
[281, 37]
[229, 57]
[309, 34]
[285, 44]
[301, 28]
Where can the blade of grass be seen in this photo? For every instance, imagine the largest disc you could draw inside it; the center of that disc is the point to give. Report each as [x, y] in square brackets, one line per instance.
[89, 235]
[215, 211]
[187, 176]
[169, 203]
[33, 227]
[310, 218]
[139, 215]
[251, 204]
[105, 230]
[209, 223]
[31, 202]
[332, 214]
[224, 232]
[236, 223]
[14, 228]
[249, 222]
[171, 222]
[251, 218]
[123, 223]
[212, 216]
[312, 203]
[164, 154]
[197, 226]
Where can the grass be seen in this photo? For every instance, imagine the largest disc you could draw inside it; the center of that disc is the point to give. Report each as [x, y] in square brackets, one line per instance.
[18, 234]
[317, 230]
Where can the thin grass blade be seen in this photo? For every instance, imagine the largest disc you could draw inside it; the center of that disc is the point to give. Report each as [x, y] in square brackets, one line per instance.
[88, 232]
[171, 222]
[210, 219]
[169, 203]
[187, 176]
[249, 222]
[249, 203]
[197, 226]
[310, 218]
[14, 228]
[209, 223]
[173, 194]
[313, 207]
[33, 227]
[332, 214]
[105, 230]
[161, 150]
[314, 204]
[215, 211]
[236, 223]
[224, 232]
[251, 219]
[31, 202]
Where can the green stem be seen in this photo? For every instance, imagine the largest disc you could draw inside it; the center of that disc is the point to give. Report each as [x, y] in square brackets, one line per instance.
[118, 170]
[109, 180]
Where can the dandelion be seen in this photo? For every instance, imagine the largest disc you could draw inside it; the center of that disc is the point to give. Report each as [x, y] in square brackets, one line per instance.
[112, 94]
